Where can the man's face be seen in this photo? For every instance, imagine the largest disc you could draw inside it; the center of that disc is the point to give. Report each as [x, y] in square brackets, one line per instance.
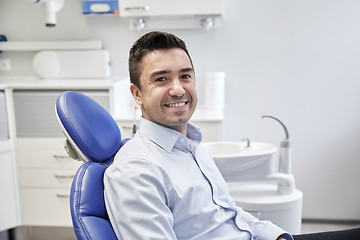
[168, 93]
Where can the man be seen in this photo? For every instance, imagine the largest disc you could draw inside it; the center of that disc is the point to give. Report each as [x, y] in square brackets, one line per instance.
[163, 184]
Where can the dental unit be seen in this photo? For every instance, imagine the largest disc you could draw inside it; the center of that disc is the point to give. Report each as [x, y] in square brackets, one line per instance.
[260, 180]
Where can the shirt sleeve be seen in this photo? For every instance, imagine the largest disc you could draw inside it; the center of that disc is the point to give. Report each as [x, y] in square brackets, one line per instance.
[262, 230]
[136, 199]
[287, 236]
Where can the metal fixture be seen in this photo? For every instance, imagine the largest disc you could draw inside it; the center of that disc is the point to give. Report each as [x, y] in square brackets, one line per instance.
[247, 140]
[208, 22]
[139, 23]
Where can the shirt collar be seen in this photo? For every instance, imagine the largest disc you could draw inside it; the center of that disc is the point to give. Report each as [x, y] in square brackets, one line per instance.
[165, 137]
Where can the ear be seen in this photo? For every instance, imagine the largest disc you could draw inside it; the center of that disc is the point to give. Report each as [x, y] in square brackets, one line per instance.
[136, 92]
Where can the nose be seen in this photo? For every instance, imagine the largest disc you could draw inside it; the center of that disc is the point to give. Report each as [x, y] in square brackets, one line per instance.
[176, 88]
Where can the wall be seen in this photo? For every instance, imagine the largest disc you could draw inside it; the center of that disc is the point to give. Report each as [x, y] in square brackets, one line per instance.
[296, 60]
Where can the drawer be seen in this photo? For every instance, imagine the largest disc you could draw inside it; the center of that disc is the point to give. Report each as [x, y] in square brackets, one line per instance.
[45, 207]
[44, 153]
[46, 178]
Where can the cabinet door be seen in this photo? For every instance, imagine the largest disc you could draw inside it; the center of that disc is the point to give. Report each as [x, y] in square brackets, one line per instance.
[9, 215]
[35, 111]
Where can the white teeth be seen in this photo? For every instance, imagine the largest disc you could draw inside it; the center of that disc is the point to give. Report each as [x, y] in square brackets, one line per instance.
[176, 104]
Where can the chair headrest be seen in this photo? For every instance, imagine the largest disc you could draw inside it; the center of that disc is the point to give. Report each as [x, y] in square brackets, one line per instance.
[89, 128]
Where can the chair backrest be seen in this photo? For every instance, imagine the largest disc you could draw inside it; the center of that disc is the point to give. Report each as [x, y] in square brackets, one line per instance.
[92, 136]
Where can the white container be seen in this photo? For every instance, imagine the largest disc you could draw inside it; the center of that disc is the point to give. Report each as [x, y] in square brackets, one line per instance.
[215, 90]
[92, 64]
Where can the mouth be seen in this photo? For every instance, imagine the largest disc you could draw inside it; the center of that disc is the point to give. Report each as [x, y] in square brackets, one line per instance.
[179, 104]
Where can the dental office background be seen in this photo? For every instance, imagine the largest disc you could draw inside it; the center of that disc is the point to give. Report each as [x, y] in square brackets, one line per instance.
[296, 60]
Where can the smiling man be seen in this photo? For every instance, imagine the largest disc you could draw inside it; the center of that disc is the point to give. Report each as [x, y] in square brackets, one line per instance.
[163, 183]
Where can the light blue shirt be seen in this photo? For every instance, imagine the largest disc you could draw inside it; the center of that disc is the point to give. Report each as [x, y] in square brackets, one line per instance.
[164, 185]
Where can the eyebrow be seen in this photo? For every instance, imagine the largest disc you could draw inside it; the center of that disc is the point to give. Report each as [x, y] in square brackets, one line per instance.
[189, 69]
[161, 72]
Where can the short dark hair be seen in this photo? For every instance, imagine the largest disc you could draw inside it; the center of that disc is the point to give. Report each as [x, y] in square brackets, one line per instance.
[150, 42]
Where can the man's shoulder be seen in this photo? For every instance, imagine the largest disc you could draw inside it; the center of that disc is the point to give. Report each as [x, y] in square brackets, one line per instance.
[135, 157]
[136, 147]
[130, 153]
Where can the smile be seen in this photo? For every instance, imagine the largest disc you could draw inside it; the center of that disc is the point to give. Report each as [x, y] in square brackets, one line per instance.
[175, 104]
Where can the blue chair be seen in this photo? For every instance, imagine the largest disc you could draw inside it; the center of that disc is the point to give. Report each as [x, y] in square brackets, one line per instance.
[93, 137]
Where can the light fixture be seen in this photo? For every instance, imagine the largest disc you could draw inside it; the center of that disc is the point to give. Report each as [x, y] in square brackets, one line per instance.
[50, 7]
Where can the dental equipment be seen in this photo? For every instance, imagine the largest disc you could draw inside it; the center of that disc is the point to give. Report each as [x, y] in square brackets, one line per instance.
[258, 182]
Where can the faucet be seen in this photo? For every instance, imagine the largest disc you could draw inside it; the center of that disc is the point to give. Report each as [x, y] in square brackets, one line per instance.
[247, 140]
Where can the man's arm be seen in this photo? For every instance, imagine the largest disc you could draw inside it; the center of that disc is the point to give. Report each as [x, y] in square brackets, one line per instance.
[263, 229]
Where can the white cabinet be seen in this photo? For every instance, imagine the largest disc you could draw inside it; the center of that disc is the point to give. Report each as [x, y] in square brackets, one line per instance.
[131, 8]
[172, 14]
[45, 176]
[45, 171]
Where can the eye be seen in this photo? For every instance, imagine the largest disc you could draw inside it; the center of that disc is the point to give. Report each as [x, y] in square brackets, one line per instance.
[160, 79]
[185, 76]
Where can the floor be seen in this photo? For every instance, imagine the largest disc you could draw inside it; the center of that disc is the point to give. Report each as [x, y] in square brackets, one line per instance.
[310, 226]
[40, 233]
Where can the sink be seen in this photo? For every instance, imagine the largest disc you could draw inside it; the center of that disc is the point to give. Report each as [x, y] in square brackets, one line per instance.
[237, 160]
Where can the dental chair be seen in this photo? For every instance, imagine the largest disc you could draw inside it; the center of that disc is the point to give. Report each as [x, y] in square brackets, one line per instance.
[93, 137]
